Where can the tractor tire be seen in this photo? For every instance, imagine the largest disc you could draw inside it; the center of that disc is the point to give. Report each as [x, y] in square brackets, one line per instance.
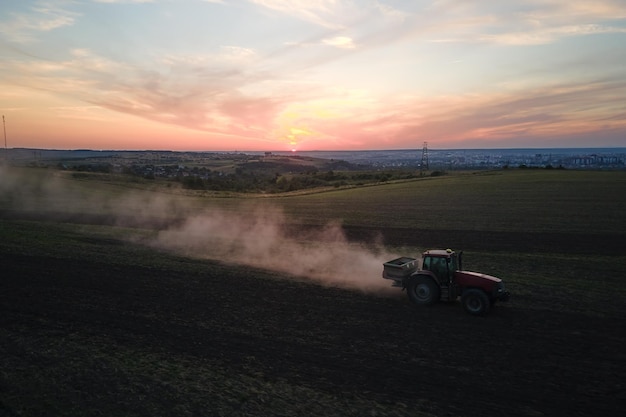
[423, 291]
[475, 302]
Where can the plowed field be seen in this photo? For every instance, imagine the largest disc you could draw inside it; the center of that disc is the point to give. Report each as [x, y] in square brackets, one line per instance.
[81, 335]
[102, 315]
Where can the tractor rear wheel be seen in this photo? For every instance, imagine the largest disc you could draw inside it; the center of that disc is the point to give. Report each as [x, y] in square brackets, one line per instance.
[423, 291]
[475, 302]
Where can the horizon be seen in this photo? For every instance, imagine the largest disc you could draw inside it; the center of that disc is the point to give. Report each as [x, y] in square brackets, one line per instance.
[336, 75]
[618, 148]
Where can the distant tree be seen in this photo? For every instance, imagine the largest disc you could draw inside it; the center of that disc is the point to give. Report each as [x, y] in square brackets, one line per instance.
[193, 183]
[329, 176]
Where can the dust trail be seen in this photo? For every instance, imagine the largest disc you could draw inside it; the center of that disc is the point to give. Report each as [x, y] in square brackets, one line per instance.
[258, 238]
[253, 235]
[50, 195]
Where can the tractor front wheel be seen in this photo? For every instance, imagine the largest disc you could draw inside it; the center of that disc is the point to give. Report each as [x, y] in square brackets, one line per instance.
[423, 291]
[475, 302]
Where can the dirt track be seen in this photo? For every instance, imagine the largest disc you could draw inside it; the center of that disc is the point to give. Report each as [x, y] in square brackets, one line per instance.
[522, 360]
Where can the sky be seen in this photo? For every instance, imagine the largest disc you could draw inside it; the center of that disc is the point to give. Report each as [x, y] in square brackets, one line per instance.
[282, 75]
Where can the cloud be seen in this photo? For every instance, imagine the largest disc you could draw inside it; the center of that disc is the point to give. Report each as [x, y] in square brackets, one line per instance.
[578, 9]
[250, 87]
[523, 23]
[325, 13]
[236, 53]
[43, 17]
[549, 35]
[342, 42]
[192, 92]
[536, 114]
[200, 92]
[125, 1]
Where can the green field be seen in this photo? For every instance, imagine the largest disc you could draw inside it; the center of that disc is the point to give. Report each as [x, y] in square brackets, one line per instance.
[508, 200]
[102, 314]
[516, 200]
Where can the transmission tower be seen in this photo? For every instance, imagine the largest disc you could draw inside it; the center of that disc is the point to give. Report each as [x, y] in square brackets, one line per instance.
[6, 150]
[424, 162]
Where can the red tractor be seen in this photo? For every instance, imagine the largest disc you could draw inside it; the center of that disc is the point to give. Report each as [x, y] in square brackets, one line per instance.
[442, 278]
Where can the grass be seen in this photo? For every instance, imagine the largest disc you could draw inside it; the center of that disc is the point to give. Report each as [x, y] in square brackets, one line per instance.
[151, 382]
[510, 200]
[589, 284]
[70, 241]
[516, 200]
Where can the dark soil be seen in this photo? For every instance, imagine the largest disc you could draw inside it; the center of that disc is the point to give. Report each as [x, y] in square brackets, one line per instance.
[552, 242]
[91, 338]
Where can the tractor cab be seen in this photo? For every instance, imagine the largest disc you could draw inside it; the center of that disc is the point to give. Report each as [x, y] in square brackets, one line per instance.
[442, 263]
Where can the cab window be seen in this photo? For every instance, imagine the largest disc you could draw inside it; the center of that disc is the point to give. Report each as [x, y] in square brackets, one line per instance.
[453, 263]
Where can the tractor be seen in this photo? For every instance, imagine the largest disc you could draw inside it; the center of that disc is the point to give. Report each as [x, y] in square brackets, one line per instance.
[442, 278]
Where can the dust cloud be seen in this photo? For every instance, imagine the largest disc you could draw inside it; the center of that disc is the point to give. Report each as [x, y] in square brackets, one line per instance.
[259, 239]
[51, 195]
[258, 235]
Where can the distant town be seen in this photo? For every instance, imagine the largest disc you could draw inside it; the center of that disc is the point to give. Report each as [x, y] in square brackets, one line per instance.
[453, 159]
[413, 159]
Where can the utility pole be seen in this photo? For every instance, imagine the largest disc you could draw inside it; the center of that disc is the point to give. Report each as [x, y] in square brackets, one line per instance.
[6, 150]
[424, 158]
